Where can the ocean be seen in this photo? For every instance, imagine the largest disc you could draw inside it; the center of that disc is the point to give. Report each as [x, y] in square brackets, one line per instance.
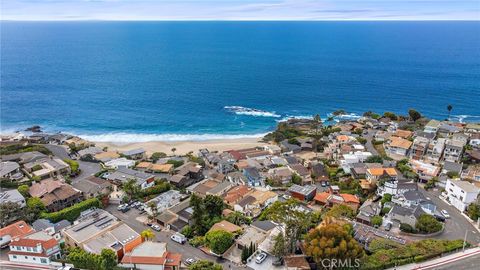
[141, 81]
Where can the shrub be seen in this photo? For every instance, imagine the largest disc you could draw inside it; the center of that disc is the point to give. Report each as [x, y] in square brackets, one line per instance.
[175, 163]
[219, 241]
[197, 241]
[428, 224]
[377, 221]
[74, 167]
[19, 148]
[404, 227]
[157, 189]
[73, 212]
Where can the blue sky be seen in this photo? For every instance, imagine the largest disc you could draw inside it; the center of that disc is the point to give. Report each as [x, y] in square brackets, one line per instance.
[240, 10]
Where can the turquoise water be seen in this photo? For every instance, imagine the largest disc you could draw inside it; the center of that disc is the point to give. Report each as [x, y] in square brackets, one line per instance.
[136, 81]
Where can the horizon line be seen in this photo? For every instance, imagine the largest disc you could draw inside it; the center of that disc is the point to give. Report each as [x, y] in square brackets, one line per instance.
[244, 20]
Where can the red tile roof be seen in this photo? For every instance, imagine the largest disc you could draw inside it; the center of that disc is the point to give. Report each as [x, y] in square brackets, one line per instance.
[322, 197]
[26, 242]
[17, 229]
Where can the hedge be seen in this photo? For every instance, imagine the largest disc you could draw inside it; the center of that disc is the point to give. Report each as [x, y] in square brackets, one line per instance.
[73, 212]
[157, 189]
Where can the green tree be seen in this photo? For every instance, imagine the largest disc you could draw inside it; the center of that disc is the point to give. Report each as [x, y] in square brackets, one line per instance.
[205, 265]
[109, 259]
[154, 210]
[387, 197]
[214, 205]
[377, 221]
[173, 150]
[374, 159]
[34, 208]
[332, 241]
[157, 155]
[219, 241]
[473, 211]
[131, 189]
[237, 218]
[74, 166]
[279, 249]
[414, 115]
[296, 179]
[449, 108]
[199, 215]
[9, 211]
[340, 210]
[427, 224]
[147, 234]
[390, 115]
[23, 189]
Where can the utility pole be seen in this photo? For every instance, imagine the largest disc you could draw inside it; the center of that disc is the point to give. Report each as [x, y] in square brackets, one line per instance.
[465, 241]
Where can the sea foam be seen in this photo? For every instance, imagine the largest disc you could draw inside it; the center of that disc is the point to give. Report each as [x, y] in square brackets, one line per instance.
[137, 137]
[250, 111]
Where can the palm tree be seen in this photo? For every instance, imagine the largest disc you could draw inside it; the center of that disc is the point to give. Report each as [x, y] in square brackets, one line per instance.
[449, 108]
[147, 234]
[173, 150]
[131, 188]
[153, 209]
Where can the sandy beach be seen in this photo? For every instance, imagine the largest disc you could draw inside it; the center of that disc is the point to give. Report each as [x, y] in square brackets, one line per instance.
[184, 147]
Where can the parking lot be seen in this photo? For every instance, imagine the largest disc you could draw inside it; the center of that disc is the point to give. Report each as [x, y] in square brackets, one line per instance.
[133, 219]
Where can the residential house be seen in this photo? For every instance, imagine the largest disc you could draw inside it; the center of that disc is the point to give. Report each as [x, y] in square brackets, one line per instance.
[12, 196]
[404, 134]
[419, 148]
[435, 150]
[23, 158]
[225, 226]
[398, 146]
[93, 186]
[289, 147]
[353, 158]
[47, 167]
[333, 197]
[303, 193]
[414, 198]
[472, 172]
[235, 194]
[251, 235]
[123, 175]
[472, 128]
[425, 171]
[163, 201]
[106, 156]
[236, 178]
[461, 193]
[10, 170]
[210, 187]
[12, 231]
[296, 262]
[452, 167]
[319, 172]
[253, 176]
[52, 229]
[151, 255]
[177, 216]
[368, 210]
[34, 248]
[303, 172]
[135, 154]
[187, 174]
[399, 214]
[446, 130]
[254, 202]
[116, 163]
[97, 229]
[376, 174]
[280, 175]
[55, 195]
[272, 149]
[432, 126]
[89, 153]
[453, 151]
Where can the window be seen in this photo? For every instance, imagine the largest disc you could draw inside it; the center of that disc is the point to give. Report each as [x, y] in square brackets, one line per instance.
[14, 256]
[34, 258]
[42, 260]
[26, 257]
[29, 249]
[18, 248]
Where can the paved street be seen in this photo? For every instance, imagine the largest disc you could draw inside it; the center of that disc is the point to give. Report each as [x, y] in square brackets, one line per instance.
[186, 250]
[463, 264]
[457, 224]
[87, 168]
[369, 145]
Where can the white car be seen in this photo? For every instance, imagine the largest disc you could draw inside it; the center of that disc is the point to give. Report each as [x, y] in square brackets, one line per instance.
[261, 257]
[445, 213]
[156, 227]
[179, 238]
[190, 261]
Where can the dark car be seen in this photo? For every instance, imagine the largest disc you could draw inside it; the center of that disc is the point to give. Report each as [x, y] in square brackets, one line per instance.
[439, 217]
[388, 227]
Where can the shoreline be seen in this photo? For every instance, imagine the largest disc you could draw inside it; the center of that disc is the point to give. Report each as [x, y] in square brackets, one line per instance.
[183, 147]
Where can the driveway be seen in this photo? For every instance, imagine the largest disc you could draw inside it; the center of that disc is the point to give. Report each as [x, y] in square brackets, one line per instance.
[187, 251]
[265, 265]
[369, 145]
[87, 168]
[457, 224]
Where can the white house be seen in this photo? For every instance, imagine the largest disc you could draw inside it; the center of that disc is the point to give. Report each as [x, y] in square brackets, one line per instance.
[432, 126]
[37, 248]
[353, 157]
[461, 193]
[119, 163]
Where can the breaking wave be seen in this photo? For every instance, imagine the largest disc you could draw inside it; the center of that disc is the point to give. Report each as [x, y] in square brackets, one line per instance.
[250, 111]
[462, 117]
[137, 137]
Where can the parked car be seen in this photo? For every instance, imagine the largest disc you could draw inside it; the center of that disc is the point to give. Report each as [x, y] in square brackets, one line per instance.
[261, 257]
[190, 261]
[445, 213]
[324, 184]
[121, 206]
[439, 217]
[388, 227]
[179, 238]
[156, 227]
